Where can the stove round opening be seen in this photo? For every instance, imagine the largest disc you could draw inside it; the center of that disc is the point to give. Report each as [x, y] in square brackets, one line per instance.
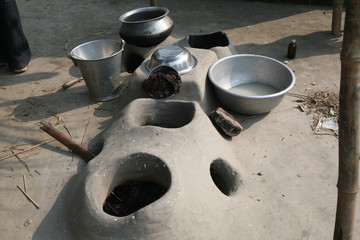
[132, 195]
[224, 176]
[141, 180]
[169, 114]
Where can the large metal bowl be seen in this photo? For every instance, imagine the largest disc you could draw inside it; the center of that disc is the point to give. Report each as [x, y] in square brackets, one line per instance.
[176, 57]
[146, 26]
[230, 72]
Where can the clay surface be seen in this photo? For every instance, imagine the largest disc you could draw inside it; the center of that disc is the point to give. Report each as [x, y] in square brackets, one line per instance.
[283, 183]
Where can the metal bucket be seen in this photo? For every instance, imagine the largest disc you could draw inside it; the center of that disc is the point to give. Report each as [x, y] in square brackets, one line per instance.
[99, 62]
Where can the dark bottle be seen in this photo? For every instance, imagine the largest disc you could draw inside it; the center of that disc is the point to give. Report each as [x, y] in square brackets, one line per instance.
[292, 49]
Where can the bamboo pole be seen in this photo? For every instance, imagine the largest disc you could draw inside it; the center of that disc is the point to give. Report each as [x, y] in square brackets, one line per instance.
[73, 146]
[349, 124]
[336, 17]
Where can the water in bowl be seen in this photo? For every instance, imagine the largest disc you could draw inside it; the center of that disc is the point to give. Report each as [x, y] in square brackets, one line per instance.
[253, 89]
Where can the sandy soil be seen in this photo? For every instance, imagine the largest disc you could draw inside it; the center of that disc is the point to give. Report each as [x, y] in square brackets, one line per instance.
[291, 190]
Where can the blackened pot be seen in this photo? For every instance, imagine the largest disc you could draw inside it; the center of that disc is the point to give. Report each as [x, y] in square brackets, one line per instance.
[146, 27]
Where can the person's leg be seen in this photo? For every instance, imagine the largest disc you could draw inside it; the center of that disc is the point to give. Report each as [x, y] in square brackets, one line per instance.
[2, 45]
[15, 46]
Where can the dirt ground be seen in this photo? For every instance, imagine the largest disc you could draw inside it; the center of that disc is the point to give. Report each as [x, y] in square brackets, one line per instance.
[292, 172]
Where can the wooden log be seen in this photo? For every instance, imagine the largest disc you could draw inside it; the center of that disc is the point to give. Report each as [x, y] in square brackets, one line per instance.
[349, 114]
[66, 141]
[229, 125]
[336, 17]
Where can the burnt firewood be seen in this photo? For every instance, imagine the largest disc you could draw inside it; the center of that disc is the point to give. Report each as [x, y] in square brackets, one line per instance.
[162, 82]
[226, 122]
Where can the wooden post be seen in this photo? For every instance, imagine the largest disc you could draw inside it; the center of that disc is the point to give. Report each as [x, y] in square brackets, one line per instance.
[336, 17]
[152, 3]
[349, 124]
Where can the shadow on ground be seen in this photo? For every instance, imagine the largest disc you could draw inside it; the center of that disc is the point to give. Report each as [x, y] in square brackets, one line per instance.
[314, 44]
[55, 222]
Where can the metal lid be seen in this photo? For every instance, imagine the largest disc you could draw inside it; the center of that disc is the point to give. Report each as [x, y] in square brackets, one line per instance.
[169, 52]
[176, 57]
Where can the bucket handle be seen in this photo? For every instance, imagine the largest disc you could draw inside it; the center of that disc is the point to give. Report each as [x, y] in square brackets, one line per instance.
[122, 44]
[72, 59]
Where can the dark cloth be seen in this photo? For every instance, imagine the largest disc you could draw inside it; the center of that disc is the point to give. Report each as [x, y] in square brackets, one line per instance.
[14, 47]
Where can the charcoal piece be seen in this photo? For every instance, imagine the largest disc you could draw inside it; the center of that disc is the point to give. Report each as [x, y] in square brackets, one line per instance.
[226, 122]
[207, 41]
[162, 82]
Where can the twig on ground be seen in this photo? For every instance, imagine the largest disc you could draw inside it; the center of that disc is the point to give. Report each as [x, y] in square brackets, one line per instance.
[28, 149]
[28, 197]
[24, 180]
[58, 119]
[297, 95]
[20, 160]
[67, 131]
[31, 102]
[87, 125]
[12, 116]
[24, 109]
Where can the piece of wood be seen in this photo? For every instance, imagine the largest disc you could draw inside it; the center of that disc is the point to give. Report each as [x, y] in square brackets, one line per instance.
[66, 141]
[28, 197]
[228, 124]
[349, 114]
[24, 180]
[71, 83]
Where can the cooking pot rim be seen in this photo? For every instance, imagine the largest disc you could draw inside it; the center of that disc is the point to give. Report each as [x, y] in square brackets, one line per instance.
[164, 11]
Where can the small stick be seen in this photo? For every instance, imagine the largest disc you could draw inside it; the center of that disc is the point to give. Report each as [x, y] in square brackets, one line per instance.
[297, 95]
[66, 45]
[23, 162]
[28, 197]
[37, 172]
[20, 111]
[66, 141]
[87, 125]
[24, 180]
[112, 193]
[71, 83]
[28, 149]
[30, 102]
[67, 131]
